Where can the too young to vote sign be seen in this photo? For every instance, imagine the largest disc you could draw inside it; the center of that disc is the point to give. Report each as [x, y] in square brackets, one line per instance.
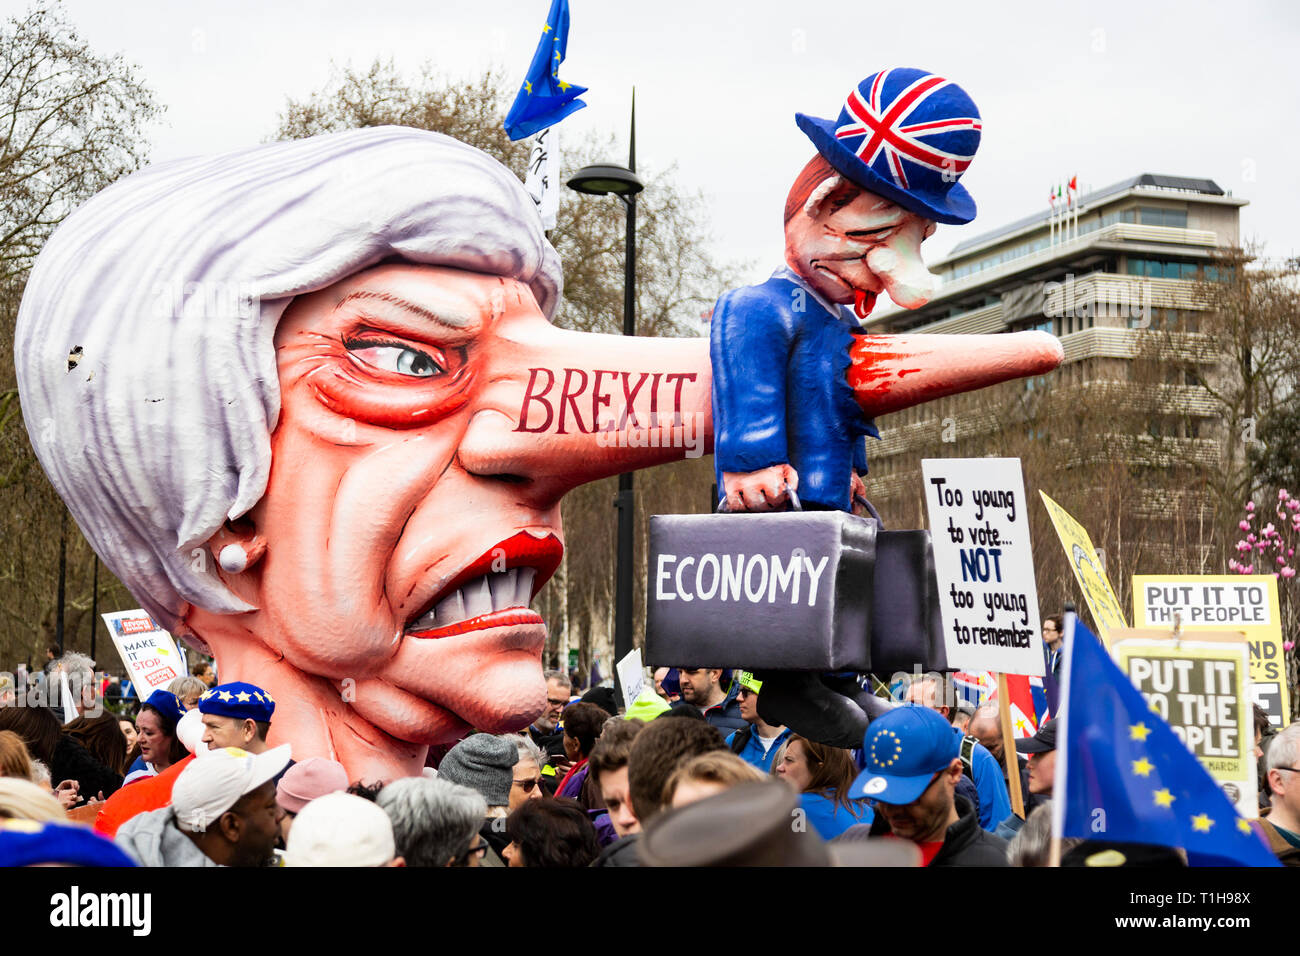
[984, 564]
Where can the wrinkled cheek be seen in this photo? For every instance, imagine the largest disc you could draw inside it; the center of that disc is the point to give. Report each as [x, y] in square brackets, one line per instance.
[406, 405]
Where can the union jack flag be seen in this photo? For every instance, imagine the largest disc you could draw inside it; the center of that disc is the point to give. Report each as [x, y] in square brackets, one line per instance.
[903, 124]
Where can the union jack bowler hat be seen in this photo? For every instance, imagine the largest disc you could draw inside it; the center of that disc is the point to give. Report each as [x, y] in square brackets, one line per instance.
[906, 135]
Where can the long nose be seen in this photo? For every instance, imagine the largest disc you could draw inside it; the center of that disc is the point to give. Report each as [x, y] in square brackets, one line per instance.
[562, 408]
[889, 372]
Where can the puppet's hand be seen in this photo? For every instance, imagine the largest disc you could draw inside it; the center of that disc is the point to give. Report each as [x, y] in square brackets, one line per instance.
[762, 490]
[858, 490]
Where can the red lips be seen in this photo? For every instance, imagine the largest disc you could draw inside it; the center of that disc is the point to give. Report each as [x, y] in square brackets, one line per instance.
[520, 550]
[510, 617]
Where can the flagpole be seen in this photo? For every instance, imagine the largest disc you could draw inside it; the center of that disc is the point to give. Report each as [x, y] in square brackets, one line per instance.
[1009, 748]
[1077, 196]
[1062, 742]
[625, 501]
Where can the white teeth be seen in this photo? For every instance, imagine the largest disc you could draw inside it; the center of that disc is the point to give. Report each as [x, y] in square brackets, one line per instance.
[495, 591]
[524, 588]
[424, 623]
[502, 586]
[478, 597]
[450, 609]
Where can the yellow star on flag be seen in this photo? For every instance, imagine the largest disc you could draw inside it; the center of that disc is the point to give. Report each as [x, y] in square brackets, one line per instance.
[1143, 767]
[546, 29]
[244, 696]
[226, 695]
[1164, 798]
[1138, 732]
[1243, 826]
[563, 86]
[528, 86]
[1202, 823]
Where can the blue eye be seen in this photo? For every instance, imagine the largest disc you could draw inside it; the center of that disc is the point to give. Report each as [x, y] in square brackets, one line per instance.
[402, 359]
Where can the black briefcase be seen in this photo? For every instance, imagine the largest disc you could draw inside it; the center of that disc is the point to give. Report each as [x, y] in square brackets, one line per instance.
[805, 590]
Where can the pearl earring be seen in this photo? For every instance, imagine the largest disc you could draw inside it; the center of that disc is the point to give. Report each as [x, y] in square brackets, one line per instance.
[233, 559]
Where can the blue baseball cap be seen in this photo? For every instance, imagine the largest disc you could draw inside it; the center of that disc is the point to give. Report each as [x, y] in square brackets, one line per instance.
[239, 700]
[901, 752]
[30, 843]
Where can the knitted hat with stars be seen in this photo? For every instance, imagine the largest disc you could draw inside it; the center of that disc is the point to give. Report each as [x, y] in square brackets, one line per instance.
[901, 753]
[239, 700]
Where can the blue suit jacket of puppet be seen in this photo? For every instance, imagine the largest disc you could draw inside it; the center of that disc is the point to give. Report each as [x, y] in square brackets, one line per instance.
[781, 392]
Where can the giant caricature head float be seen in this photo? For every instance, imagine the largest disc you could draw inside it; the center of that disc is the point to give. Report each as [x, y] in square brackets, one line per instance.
[885, 172]
[317, 420]
[306, 402]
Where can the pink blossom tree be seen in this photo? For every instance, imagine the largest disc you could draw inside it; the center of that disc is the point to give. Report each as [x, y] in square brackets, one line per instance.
[1271, 538]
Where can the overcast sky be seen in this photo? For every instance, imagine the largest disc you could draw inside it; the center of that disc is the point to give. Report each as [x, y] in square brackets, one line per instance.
[1102, 89]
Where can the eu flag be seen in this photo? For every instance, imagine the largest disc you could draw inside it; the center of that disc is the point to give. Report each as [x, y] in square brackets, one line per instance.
[545, 99]
[1122, 774]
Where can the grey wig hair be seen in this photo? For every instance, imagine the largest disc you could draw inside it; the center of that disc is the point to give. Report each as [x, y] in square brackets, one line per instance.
[434, 821]
[144, 344]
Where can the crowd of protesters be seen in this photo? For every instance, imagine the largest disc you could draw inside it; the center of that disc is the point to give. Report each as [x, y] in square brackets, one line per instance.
[689, 775]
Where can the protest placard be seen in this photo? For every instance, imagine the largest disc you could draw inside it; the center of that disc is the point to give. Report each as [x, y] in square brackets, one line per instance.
[148, 652]
[631, 676]
[1245, 602]
[1201, 689]
[1088, 570]
[984, 564]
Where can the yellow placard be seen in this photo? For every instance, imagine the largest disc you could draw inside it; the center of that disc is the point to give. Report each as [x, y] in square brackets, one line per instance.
[1105, 607]
[1242, 602]
[1202, 690]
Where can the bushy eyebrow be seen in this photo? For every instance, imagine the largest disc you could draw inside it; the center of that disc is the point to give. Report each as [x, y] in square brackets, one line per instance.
[449, 321]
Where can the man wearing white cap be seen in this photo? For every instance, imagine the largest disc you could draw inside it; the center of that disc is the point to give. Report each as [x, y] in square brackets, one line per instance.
[223, 813]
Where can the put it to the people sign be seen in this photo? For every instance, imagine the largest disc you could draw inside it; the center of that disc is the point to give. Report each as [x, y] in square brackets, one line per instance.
[1201, 688]
[984, 564]
[1239, 602]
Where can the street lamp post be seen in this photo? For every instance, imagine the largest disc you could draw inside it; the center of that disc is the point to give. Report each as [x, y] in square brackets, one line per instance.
[625, 184]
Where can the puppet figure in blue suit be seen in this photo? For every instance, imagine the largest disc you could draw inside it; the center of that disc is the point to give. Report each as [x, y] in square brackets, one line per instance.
[787, 409]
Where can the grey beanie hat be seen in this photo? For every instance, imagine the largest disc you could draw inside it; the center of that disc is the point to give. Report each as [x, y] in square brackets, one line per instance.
[482, 762]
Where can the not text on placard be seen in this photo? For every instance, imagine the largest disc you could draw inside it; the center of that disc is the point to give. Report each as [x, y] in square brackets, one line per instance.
[984, 564]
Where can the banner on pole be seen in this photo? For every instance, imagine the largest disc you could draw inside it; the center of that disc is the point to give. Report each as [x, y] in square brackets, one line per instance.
[148, 652]
[1245, 602]
[543, 179]
[984, 564]
[1088, 570]
[1202, 690]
